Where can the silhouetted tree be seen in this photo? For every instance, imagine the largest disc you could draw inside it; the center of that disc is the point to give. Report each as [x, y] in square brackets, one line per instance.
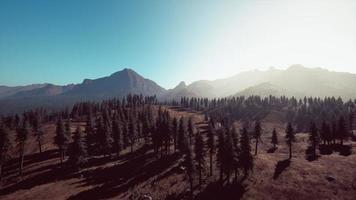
[175, 129]
[182, 136]
[290, 138]
[313, 137]
[4, 146]
[90, 135]
[61, 139]
[22, 136]
[325, 133]
[199, 154]
[117, 136]
[342, 130]
[105, 138]
[211, 146]
[78, 153]
[190, 130]
[38, 131]
[257, 134]
[245, 157]
[189, 165]
[220, 156]
[274, 140]
[228, 155]
[132, 132]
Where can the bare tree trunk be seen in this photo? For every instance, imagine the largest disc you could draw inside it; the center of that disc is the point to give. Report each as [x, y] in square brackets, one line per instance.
[211, 164]
[22, 155]
[0, 172]
[40, 145]
[256, 146]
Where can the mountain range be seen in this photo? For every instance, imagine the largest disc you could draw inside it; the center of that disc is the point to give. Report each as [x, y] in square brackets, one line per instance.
[297, 81]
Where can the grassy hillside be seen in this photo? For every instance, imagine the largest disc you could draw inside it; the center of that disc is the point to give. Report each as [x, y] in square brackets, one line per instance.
[141, 173]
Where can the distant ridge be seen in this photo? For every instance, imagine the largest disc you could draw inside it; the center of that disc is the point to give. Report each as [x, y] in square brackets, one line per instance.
[297, 81]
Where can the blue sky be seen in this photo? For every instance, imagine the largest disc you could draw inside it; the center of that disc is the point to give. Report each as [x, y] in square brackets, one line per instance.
[168, 41]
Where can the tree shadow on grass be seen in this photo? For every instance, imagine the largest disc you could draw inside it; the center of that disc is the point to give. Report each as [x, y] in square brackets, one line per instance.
[216, 190]
[55, 173]
[120, 178]
[325, 149]
[344, 150]
[310, 155]
[280, 167]
[272, 150]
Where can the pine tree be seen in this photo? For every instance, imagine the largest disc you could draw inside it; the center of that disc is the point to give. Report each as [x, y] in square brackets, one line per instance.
[290, 138]
[325, 133]
[342, 130]
[38, 132]
[117, 136]
[237, 150]
[90, 135]
[257, 134]
[229, 155]
[245, 156]
[189, 165]
[22, 136]
[78, 153]
[61, 139]
[199, 154]
[190, 130]
[4, 146]
[211, 146]
[106, 138]
[182, 138]
[220, 156]
[274, 140]
[175, 133]
[313, 137]
[132, 132]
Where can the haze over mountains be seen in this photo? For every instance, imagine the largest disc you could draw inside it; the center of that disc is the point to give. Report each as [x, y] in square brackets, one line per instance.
[295, 81]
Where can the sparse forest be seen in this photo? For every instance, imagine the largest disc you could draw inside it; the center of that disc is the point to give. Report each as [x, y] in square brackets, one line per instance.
[219, 152]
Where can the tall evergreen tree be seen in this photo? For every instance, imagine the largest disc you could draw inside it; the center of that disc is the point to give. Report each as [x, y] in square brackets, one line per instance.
[22, 136]
[189, 165]
[257, 134]
[290, 138]
[229, 155]
[199, 154]
[90, 135]
[182, 138]
[78, 152]
[175, 133]
[220, 156]
[211, 146]
[237, 150]
[190, 129]
[37, 130]
[132, 132]
[4, 146]
[313, 137]
[61, 139]
[342, 130]
[117, 136]
[106, 138]
[245, 156]
[274, 140]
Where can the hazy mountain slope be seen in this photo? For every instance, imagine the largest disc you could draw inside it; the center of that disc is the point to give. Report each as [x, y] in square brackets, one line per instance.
[53, 96]
[299, 81]
[6, 91]
[295, 81]
[266, 89]
[118, 84]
